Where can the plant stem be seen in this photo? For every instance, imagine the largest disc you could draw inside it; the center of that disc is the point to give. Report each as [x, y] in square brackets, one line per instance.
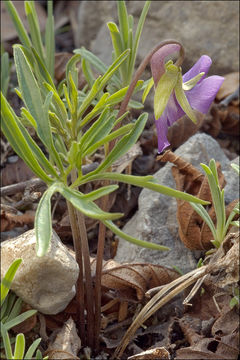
[100, 250]
[80, 281]
[85, 258]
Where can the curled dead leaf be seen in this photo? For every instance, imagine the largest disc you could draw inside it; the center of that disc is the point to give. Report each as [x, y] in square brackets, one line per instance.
[133, 280]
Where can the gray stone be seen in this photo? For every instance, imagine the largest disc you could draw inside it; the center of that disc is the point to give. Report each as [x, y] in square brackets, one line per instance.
[231, 190]
[156, 220]
[203, 27]
[47, 283]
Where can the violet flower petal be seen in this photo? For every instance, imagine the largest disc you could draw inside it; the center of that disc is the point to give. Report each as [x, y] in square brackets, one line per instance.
[202, 95]
[162, 130]
[158, 60]
[202, 65]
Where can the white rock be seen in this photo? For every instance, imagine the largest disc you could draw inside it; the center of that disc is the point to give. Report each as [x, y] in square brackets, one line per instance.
[46, 283]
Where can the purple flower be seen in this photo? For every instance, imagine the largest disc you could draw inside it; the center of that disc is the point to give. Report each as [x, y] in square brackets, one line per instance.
[199, 92]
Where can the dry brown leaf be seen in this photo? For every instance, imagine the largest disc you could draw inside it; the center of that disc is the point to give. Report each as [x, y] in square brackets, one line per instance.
[133, 280]
[193, 231]
[222, 119]
[230, 84]
[10, 221]
[157, 353]
[66, 344]
[8, 31]
[209, 348]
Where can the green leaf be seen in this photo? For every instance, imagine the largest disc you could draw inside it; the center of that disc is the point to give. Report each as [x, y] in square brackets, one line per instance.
[106, 139]
[8, 278]
[142, 181]
[123, 22]
[96, 194]
[43, 221]
[20, 140]
[205, 216]
[32, 95]
[115, 65]
[5, 70]
[87, 72]
[97, 63]
[87, 207]
[60, 109]
[101, 126]
[147, 89]
[183, 101]
[116, 38]
[131, 239]
[50, 40]
[19, 319]
[42, 69]
[164, 89]
[124, 144]
[96, 110]
[34, 28]
[16, 309]
[6, 342]
[137, 38]
[19, 347]
[29, 354]
[71, 67]
[22, 33]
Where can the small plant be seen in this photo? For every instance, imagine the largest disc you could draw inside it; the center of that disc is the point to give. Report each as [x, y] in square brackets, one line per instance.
[222, 225]
[10, 317]
[72, 126]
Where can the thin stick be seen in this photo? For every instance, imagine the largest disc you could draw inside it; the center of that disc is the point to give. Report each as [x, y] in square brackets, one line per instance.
[152, 306]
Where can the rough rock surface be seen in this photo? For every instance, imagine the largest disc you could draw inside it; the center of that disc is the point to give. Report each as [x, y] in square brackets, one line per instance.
[46, 283]
[156, 218]
[203, 27]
